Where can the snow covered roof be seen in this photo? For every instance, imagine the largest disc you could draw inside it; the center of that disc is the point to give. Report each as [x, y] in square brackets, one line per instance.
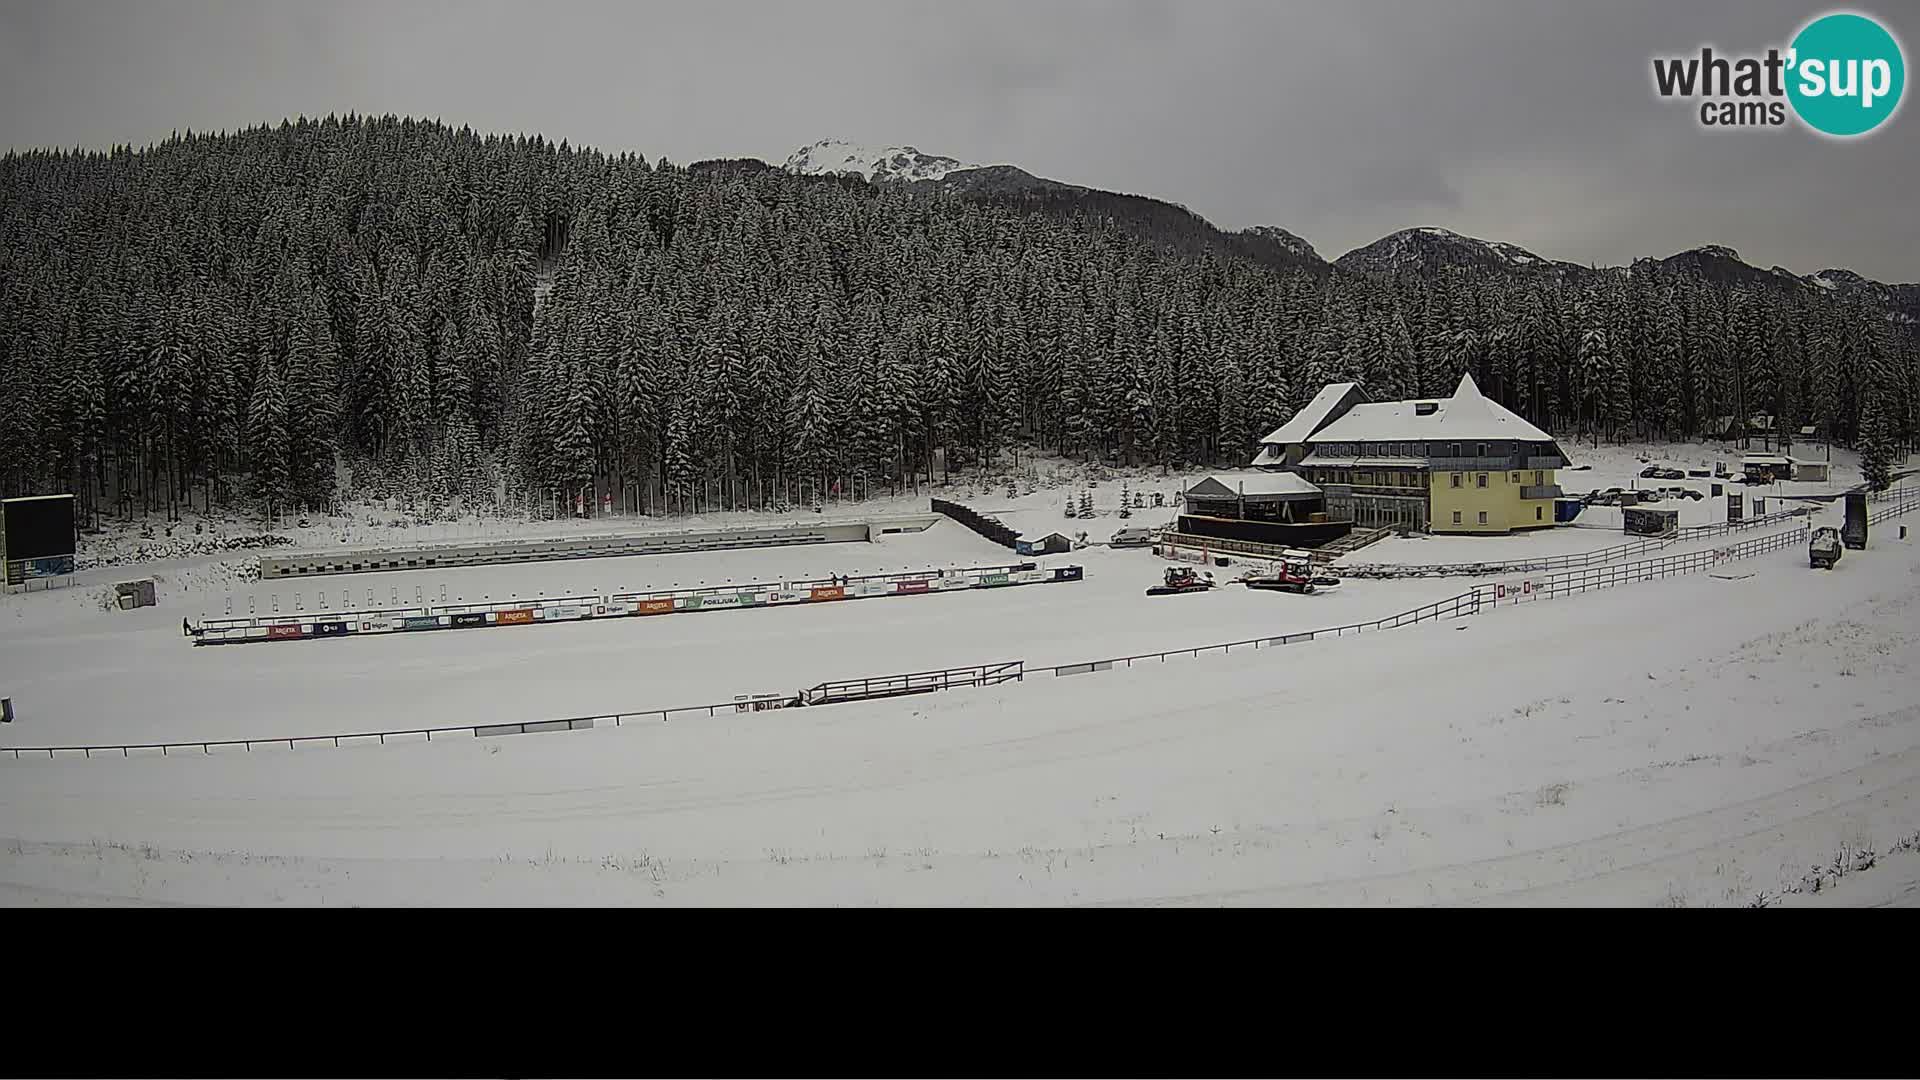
[1308, 420]
[1766, 459]
[1265, 485]
[1270, 455]
[1465, 415]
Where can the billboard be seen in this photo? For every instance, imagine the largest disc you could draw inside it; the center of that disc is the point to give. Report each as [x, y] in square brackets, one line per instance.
[37, 537]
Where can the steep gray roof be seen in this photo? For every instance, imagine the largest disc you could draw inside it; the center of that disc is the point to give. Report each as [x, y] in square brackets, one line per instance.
[1307, 420]
[1465, 415]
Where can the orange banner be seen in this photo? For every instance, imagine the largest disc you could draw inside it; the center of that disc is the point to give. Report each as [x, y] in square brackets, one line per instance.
[519, 615]
[656, 607]
[833, 593]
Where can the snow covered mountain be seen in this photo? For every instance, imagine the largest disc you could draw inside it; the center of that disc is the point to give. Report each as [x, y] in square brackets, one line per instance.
[1429, 248]
[836, 157]
[1285, 239]
[1158, 220]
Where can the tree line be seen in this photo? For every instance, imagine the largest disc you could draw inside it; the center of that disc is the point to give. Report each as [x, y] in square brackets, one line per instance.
[242, 318]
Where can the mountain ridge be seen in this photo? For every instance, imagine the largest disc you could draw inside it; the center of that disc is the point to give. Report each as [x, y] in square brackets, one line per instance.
[1416, 249]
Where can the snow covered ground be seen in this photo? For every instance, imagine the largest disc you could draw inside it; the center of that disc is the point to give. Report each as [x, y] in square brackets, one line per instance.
[1697, 741]
[83, 676]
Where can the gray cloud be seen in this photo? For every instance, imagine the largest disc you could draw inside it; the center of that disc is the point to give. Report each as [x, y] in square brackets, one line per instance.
[1526, 121]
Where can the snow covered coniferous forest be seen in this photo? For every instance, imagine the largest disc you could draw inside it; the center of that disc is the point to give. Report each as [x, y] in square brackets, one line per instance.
[225, 320]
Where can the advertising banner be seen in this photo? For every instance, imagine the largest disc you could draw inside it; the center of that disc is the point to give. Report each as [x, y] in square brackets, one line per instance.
[517, 615]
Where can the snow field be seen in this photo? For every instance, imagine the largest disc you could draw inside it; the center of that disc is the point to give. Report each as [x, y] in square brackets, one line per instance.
[81, 676]
[1563, 752]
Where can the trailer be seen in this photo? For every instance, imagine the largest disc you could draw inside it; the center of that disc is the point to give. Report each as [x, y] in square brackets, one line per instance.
[1824, 549]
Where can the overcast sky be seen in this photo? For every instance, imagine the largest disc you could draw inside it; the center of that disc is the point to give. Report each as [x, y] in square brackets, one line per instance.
[1530, 121]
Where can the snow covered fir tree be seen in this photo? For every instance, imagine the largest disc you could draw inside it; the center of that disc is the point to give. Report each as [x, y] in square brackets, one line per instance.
[240, 320]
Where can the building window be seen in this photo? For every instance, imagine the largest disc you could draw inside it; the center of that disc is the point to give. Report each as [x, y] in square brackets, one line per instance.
[1456, 517]
[1482, 480]
[1483, 517]
[1539, 477]
[1516, 478]
[1539, 513]
[1483, 450]
[1366, 478]
[1456, 479]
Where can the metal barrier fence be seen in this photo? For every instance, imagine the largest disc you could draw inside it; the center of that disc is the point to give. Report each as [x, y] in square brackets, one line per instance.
[838, 691]
[1605, 577]
[1909, 500]
[1575, 561]
[835, 692]
[1245, 548]
[208, 746]
[1467, 603]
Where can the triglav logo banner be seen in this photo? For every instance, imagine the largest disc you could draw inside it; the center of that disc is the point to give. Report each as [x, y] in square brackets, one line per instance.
[1842, 75]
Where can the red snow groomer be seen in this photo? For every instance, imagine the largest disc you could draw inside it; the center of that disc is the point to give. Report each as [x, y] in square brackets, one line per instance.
[1181, 579]
[1286, 576]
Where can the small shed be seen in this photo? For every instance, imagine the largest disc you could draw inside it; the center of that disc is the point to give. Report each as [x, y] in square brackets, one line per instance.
[1818, 472]
[134, 594]
[1771, 466]
[1043, 543]
[1650, 520]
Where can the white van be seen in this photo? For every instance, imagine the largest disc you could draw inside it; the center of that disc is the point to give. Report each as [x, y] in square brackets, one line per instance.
[1134, 536]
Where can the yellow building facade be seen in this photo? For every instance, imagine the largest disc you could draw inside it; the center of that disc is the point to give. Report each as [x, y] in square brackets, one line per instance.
[1462, 464]
[1491, 501]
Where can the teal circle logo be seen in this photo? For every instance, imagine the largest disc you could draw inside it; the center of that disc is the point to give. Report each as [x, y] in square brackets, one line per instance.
[1846, 74]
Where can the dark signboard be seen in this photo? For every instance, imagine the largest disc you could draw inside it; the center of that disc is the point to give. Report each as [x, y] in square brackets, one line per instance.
[470, 618]
[324, 629]
[37, 527]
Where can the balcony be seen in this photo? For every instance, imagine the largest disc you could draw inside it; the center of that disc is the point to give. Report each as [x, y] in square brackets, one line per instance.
[1549, 462]
[1472, 464]
[1541, 491]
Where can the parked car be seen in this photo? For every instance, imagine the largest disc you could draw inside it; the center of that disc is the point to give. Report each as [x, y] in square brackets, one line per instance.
[1134, 536]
